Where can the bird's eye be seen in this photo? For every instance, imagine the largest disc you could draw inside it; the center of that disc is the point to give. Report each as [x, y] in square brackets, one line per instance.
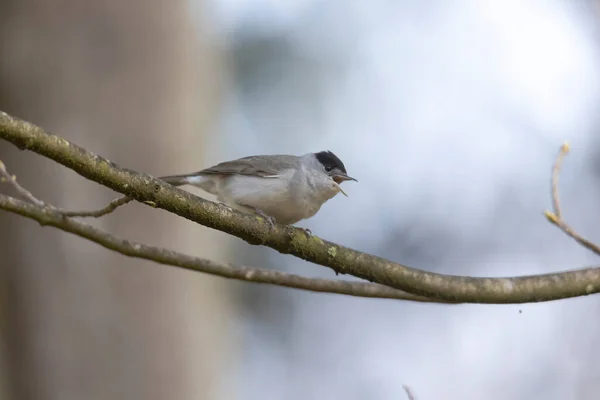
[328, 168]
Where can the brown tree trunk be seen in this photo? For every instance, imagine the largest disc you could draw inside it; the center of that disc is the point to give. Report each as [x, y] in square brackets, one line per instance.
[131, 81]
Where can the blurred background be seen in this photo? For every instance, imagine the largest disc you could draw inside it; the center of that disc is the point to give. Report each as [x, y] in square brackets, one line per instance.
[450, 115]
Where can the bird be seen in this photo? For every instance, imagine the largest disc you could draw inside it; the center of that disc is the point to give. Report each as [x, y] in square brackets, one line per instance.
[281, 188]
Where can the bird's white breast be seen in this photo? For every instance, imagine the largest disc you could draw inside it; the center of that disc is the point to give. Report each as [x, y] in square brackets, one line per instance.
[271, 195]
[289, 197]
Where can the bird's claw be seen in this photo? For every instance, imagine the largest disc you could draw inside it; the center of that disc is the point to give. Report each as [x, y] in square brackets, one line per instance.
[269, 218]
[271, 222]
[226, 206]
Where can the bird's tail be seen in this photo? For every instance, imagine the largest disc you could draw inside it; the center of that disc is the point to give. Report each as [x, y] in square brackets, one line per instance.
[204, 182]
[178, 180]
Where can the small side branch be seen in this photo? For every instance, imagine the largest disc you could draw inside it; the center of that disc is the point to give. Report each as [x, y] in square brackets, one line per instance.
[409, 392]
[112, 206]
[27, 195]
[555, 216]
[12, 180]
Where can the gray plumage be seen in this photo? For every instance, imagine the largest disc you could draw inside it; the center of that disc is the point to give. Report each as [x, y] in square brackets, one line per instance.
[285, 187]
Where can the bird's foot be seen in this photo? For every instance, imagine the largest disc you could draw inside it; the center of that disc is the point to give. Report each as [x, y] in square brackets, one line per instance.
[293, 229]
[225, 205]
[269, 219]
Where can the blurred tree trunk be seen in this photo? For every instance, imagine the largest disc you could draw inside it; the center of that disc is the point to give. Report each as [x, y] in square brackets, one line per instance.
[130, 81]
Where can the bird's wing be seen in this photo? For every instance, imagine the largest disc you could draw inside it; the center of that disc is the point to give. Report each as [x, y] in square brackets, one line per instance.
[262, 166]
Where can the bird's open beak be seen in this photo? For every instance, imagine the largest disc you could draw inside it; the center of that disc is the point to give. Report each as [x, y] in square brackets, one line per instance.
[339, 178]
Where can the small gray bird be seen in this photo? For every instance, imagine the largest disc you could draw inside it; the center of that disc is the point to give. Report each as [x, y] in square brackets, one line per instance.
[282, 188]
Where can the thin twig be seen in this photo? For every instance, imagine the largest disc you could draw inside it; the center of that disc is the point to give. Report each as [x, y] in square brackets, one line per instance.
[5, 176]
[555, 216]
[564, 150]
[408, 392]
[12, 180]
[112, 206]
[50, 216]
[26, 194]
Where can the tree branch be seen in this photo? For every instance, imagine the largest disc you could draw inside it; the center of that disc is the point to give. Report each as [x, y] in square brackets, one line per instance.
[51, 217]
[285, 239]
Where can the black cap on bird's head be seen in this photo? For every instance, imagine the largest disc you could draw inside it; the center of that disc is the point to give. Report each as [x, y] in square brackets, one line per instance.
[334, 167]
